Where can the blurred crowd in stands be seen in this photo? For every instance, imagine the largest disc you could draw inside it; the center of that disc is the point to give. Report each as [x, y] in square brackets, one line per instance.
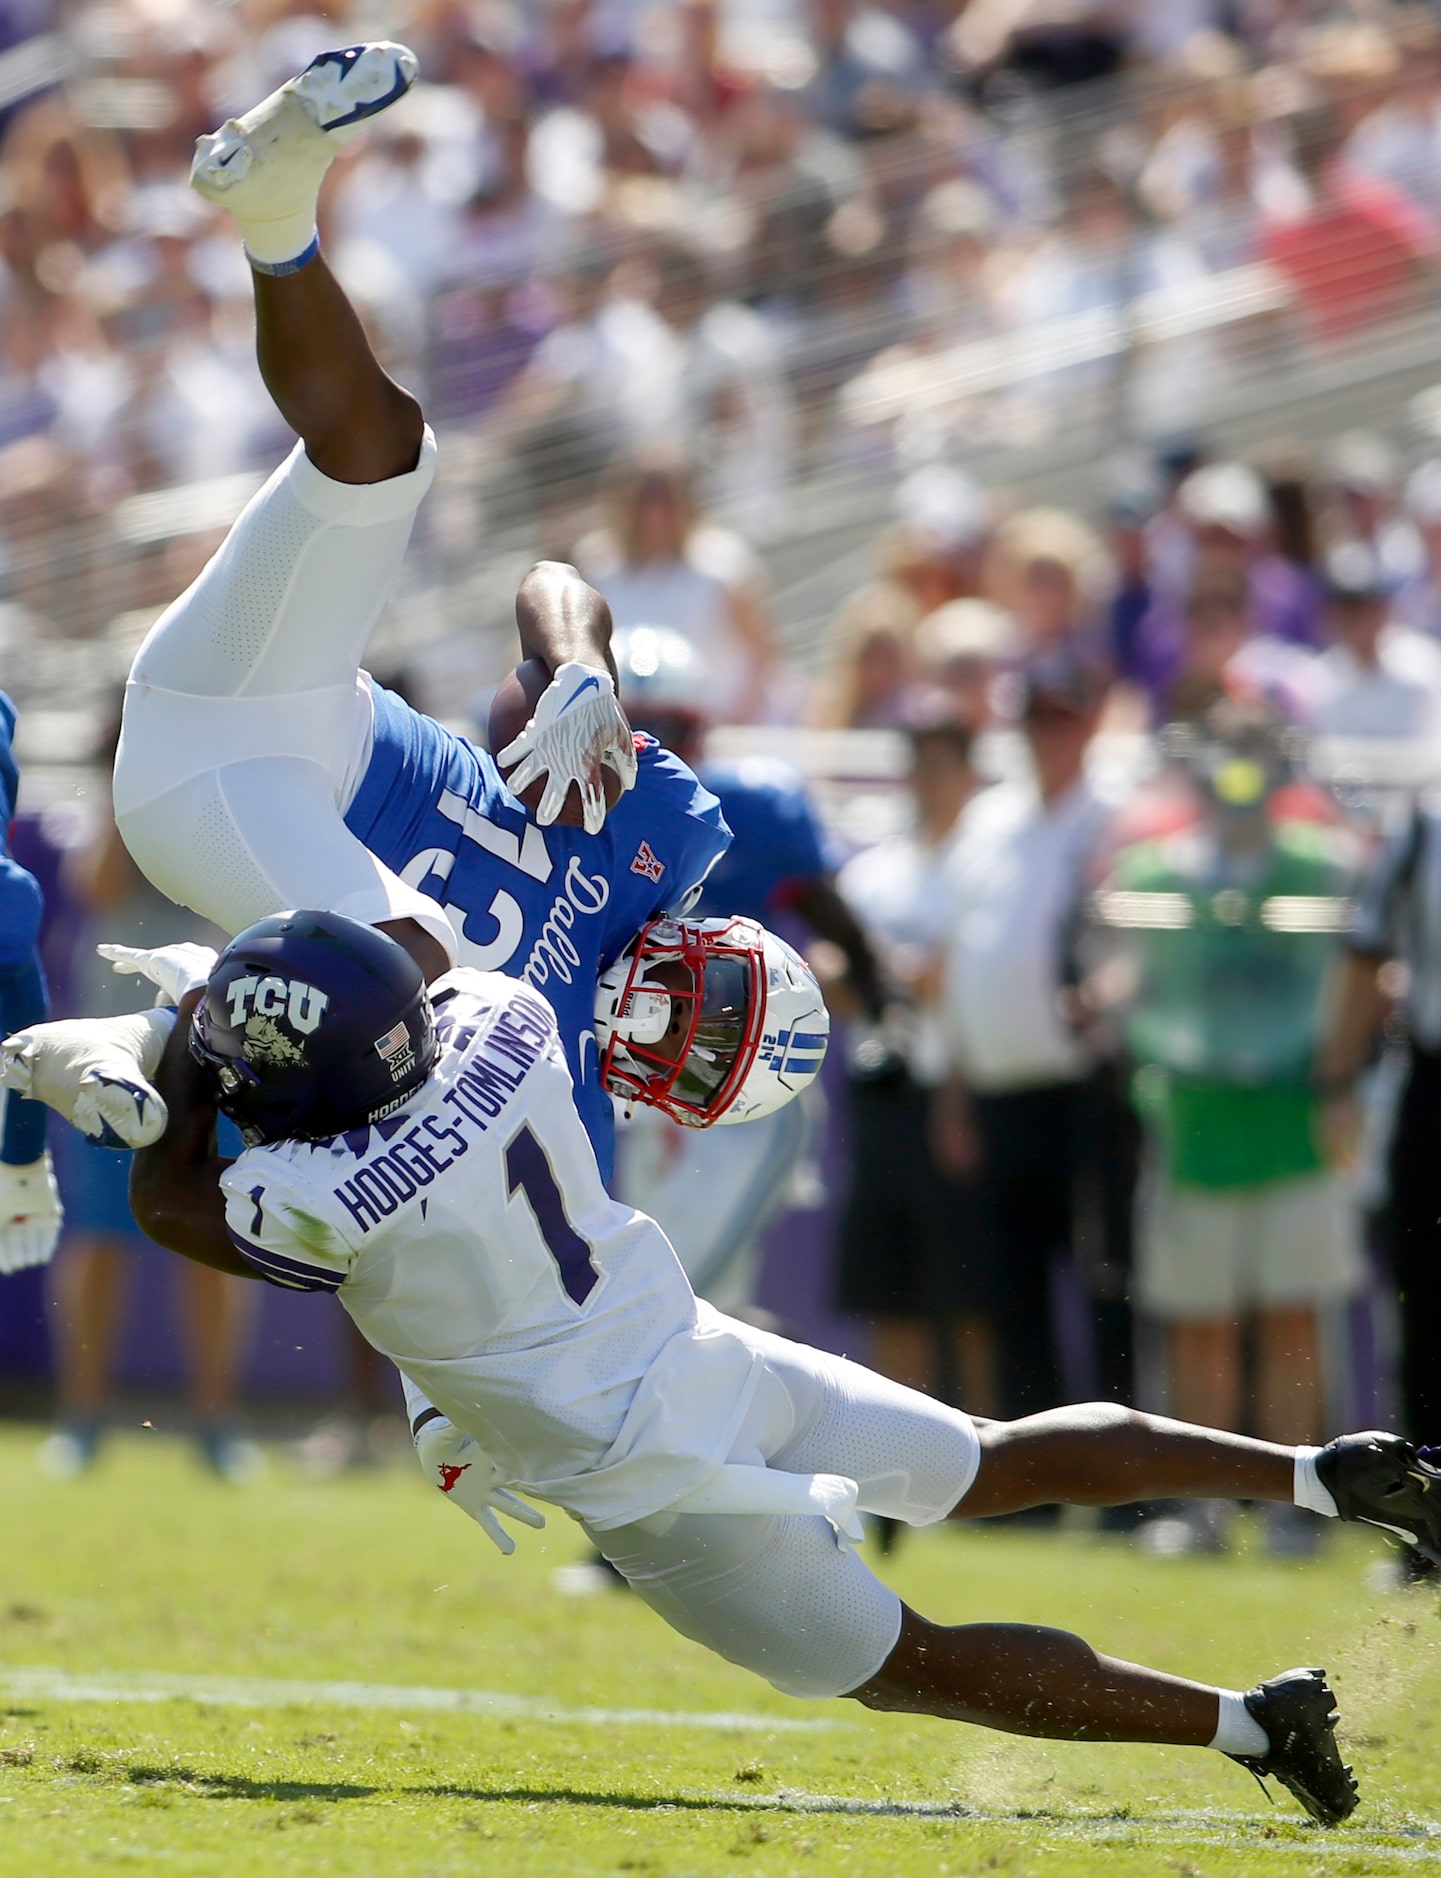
[725, 244]
[1142, 1023]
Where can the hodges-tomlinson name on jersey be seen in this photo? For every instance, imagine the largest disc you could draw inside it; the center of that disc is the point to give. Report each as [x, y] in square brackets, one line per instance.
[518, 1037]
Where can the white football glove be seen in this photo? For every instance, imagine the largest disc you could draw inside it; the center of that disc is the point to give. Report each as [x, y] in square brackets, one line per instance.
[174, 969]
[577, 728]
[95, 1071]
[29, 1215]
[466, 1474]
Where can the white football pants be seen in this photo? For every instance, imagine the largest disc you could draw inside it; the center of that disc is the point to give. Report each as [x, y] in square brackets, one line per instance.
[776, 1593]
[248, 722]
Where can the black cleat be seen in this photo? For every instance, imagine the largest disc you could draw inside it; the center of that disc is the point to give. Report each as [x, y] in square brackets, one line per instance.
[1387, 1482]
[1298, 1713]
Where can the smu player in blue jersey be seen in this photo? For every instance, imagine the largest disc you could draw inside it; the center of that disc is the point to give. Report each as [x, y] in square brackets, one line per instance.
[29, 1204]
[260, 767]
[715, 1193]
[553, 906]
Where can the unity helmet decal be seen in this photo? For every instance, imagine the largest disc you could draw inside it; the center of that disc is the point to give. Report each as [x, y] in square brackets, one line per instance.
[396, 1049]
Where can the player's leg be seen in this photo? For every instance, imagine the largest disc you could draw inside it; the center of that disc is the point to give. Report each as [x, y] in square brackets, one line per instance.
[357, 424]
[917, 1459]
[266, 169]
[1028, 1680]
[1103, 1454]
[246, 725]
[778, 1596]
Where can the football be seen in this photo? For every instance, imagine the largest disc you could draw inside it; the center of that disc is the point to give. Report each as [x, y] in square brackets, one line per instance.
[515, 699]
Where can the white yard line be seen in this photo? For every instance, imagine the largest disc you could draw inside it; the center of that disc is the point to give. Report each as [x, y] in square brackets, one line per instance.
[1420, 1844]
[1414, 1844]
[60, 1685]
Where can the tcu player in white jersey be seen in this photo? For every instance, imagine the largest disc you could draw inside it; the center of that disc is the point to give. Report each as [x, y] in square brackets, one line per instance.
[420, 1154]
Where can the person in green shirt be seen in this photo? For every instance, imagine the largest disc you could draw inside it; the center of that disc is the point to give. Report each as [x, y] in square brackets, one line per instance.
[1228, 931]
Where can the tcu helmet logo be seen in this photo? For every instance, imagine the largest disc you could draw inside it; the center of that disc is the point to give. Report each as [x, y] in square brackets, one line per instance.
[302, 1006]
[647, 863]
[256, 1003]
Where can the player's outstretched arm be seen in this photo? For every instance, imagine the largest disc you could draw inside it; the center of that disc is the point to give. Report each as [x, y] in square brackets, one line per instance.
[175, 1183]
[559, 717]
[562, 619]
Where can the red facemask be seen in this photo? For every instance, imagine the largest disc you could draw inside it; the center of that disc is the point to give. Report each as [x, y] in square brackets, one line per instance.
[680, 1017]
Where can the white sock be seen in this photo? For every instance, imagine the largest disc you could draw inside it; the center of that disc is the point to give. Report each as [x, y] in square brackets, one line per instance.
[1237, 1730]
[266, 168]
[276, 189]
[1308, 1490]
[261, 241]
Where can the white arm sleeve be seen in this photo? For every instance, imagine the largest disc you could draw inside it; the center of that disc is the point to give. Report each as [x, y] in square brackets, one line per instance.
[415, 1402]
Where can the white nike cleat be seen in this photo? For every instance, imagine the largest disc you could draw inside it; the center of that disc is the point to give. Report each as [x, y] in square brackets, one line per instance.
[266, 168]
[96, 1072]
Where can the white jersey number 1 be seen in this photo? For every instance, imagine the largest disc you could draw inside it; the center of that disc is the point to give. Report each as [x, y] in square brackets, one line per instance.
[528, 1171]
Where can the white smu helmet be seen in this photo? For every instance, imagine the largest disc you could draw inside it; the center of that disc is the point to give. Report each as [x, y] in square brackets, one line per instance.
[710, 1020]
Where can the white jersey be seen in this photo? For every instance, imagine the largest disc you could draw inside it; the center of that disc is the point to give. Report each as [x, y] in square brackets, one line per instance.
[473, 1242]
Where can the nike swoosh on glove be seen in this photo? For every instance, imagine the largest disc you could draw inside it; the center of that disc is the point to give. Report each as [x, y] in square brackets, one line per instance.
[96, 1072]
[174, 969]
[29, 1215]
[465, 1473]
[577, 729]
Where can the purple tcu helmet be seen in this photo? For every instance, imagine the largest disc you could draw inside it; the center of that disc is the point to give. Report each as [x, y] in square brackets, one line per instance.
[311, 1024]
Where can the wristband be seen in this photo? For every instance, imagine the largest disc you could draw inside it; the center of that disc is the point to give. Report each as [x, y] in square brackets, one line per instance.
[279, 269]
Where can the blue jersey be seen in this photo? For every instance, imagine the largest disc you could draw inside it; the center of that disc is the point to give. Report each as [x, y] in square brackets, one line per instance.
[778, 841]
[553, 906]
[23, 997]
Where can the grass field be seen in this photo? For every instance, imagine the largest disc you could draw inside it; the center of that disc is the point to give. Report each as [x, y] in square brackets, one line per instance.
[599, 1742]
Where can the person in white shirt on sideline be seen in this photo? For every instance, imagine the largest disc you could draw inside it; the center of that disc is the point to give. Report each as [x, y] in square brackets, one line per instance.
[1011, 1107]
[907, 1232]
[1377, 678]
